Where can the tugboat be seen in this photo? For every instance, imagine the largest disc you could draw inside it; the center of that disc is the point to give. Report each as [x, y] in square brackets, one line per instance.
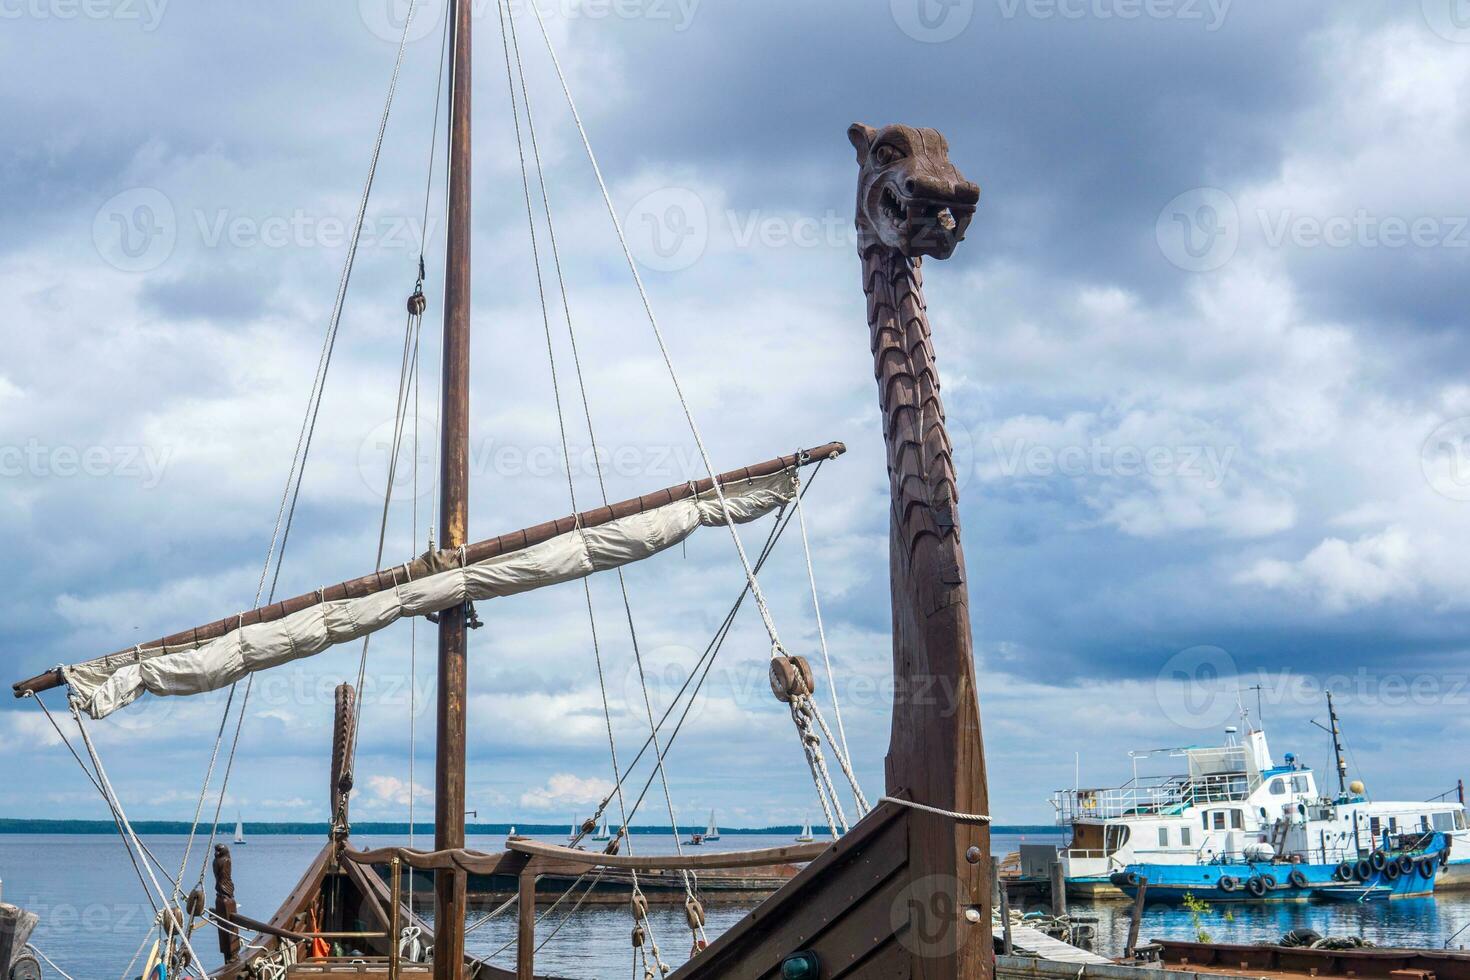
[1231, 800]
[1405, 866]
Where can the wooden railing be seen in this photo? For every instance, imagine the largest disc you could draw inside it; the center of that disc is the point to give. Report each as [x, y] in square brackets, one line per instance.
[526, 859]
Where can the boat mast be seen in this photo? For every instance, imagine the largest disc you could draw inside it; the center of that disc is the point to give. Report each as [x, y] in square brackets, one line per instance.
[1337, 747]
[449, 776]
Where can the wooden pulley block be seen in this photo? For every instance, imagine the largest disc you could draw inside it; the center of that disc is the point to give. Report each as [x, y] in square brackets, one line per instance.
[638, 936]
[695, 913]
[791, 677]
[196, 903]
[640, 906]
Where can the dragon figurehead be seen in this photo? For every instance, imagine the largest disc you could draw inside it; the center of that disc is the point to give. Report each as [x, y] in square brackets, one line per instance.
[911, 199]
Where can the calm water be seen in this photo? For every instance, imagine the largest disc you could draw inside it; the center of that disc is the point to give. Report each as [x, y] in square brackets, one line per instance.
[93, 916]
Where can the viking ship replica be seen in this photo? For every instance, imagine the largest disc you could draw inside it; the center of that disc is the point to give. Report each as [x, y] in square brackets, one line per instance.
[901, 891]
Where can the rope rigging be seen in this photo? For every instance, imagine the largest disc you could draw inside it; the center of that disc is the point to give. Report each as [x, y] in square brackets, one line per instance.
[811, 748]
[806, 715]
[511, 46]
[275, 554]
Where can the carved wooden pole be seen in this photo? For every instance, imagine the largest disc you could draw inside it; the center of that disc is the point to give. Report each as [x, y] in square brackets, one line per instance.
[913, 203]
[224, 902]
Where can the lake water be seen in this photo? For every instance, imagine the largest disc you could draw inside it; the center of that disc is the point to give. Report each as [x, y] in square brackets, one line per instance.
[94, 916]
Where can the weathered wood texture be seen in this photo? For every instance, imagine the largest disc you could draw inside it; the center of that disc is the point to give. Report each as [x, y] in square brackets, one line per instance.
[766, 857]
[344, 737]
[445, 558]
[850, 906]
[454, 494]
[224, 902]
[935, 756]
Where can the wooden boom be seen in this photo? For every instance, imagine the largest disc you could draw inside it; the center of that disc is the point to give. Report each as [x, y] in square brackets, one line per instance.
[438, 561]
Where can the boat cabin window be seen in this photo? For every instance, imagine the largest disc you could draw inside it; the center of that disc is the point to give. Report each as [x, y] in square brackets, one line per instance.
[1237, 820]
[1278, 787]
[1299, 784]
[1460, 819]
[1184, 837]
[1117, 836]
[1423, 824]
[1444, 822]
[1375, 827]
[1163, 836]
[1215, 820]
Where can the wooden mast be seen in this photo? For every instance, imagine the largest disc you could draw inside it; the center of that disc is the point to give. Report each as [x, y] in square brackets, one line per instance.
[449, 775]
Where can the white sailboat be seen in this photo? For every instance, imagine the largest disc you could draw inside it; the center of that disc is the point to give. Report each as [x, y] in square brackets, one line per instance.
[712, 832]
[604, 833]
[805, 837]
[239, 832]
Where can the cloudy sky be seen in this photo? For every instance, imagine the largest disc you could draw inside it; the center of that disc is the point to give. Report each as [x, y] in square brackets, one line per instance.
[1203, 351]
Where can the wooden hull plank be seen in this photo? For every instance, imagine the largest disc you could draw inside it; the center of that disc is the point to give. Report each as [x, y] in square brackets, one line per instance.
[816, 901]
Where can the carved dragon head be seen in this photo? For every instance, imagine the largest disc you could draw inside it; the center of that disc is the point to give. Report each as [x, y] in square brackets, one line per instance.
[911, 199]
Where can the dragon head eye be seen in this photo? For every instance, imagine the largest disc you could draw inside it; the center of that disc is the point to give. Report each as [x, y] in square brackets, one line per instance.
[887, 154]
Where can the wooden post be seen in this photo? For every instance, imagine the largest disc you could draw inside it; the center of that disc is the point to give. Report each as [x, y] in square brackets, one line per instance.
[1137, 923]
[526, 926]
[224, 902]
[454, 478]
[393, 917]
[1004, 903]
[16, 926]
[1058, 889]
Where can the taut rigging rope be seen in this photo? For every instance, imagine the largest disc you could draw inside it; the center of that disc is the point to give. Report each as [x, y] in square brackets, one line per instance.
[511, 45]
[811, 751]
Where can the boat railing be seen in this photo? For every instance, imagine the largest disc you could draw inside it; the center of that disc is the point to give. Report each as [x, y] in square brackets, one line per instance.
[1160, 796]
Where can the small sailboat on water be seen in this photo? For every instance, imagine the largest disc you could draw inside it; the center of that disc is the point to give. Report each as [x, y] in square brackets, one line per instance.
[712, 832]
[805, 837]
[604, 833]
[239, 832]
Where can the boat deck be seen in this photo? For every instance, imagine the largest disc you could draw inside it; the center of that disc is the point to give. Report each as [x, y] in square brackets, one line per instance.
[1037, 942]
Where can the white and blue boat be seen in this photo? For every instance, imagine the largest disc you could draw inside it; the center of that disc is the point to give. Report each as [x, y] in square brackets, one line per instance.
[1406, 866]
[1234, 805]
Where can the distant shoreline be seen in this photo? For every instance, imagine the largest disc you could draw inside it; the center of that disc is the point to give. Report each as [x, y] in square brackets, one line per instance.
[371, 828]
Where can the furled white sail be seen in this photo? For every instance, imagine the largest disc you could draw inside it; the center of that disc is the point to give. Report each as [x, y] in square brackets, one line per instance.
[103, 686]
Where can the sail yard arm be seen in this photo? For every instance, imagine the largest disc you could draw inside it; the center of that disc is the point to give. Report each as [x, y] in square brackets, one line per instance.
[630, 530]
